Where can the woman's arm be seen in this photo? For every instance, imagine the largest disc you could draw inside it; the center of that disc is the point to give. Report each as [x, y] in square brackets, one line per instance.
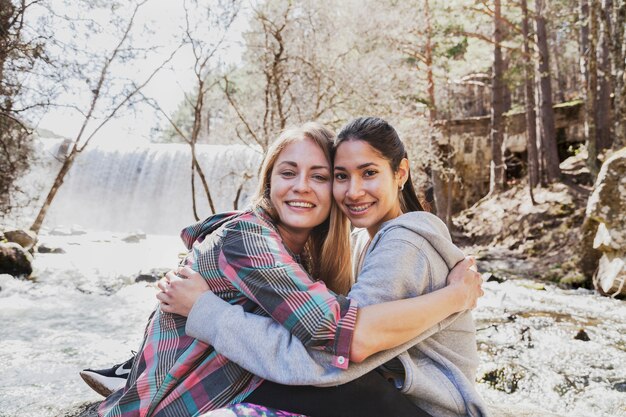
[399, 269]
[257, 264]
[231, 329]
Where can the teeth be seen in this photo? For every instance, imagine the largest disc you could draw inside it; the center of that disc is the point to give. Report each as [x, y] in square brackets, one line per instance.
[300, 204]
[360, 208]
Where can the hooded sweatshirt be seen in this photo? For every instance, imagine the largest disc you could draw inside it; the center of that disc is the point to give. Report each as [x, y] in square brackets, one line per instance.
[409, 256]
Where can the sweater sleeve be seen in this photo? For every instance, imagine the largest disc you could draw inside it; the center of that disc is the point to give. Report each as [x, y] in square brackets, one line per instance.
[256, 262]
[276, 355]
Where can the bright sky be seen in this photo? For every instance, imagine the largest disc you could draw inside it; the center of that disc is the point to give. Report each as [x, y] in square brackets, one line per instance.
[166, 19]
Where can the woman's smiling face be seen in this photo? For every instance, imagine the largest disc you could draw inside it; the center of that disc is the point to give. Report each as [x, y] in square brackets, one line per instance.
[365, 187]
[300, 188]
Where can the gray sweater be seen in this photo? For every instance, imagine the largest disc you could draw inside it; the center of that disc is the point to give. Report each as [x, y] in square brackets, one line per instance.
[409, 256]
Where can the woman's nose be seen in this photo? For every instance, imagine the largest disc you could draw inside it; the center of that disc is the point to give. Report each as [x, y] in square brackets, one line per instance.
[302, 184]
[355, 190]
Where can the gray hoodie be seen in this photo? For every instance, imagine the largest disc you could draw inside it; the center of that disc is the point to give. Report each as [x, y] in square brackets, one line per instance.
[410, 255]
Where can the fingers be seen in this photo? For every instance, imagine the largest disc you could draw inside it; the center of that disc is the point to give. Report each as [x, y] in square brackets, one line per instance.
[166, 308]
[163, 284]
[186, 272]
[465, 263]
[163, 297]
[472, 263]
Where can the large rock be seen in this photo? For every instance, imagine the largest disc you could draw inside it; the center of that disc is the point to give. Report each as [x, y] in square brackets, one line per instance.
[604, 229]
[15, 260]
[25, 238]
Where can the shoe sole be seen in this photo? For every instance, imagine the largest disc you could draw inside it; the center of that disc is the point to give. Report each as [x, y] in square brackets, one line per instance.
[103, 385]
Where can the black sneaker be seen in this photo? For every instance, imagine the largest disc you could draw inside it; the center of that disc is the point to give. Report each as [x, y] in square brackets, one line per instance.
[106, 381]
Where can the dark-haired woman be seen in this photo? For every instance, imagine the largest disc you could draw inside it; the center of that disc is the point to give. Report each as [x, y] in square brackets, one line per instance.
[399, 252]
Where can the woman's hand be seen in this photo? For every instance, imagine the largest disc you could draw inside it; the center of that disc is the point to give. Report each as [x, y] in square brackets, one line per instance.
[178, 295]
[465, 278]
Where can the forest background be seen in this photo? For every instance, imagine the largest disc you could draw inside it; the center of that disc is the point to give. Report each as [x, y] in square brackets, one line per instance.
[416, 63]
[409, 62]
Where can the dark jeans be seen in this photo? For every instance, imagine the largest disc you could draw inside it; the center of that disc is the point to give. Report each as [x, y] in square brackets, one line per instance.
[369, 395]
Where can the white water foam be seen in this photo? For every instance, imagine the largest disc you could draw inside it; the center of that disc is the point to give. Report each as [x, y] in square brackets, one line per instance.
[145, 188]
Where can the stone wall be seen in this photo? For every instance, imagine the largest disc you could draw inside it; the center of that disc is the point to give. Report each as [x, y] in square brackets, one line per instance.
[469, 147]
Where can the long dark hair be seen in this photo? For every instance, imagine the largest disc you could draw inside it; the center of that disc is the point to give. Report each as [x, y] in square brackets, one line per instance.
[381, 136]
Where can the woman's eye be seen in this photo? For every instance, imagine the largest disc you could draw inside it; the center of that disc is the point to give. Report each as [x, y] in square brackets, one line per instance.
[340, 176]
[370, 173]
[320, 178]
[288, 174]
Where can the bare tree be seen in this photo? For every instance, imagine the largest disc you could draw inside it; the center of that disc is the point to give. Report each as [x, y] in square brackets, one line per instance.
[204, 47]
[104, 105]
[267, 45]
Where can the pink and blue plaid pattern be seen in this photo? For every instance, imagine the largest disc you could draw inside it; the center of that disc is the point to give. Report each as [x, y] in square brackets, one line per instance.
[249, 410]
[244, 261]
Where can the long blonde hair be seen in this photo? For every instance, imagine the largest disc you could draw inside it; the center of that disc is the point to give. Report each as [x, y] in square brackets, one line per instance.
[327, 252]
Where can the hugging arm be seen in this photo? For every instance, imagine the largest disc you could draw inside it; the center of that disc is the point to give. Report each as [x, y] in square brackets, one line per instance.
[267, 349]
[282, 288]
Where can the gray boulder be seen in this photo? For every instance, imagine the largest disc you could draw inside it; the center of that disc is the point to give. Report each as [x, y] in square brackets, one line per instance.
[15, 260]
[25, 238]
[603, 242]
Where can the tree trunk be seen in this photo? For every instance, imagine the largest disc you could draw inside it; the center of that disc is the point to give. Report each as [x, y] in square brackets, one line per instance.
[604, 136]
[237, 195]
[618, 62]
[592, 93]
[497, 172]
[434, 176]
[583, 41]
[531, 126]
[432, 103]
[560, 79]
[442, 191]
[195, 133]
[205, 184]
[548, 130]
[193, 191]
[58, 181]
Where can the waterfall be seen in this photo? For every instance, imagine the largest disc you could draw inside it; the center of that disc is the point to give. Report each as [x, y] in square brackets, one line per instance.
[146, 188]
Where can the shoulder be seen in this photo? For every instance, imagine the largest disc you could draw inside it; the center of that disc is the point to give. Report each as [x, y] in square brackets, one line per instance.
[253, 238]
[416, 226]
[252, 221]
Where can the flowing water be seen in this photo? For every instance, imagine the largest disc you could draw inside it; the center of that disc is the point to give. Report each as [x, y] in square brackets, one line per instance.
[84, 309]
[146, 188]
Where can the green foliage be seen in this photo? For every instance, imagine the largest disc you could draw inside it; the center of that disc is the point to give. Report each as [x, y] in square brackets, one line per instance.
[457, 51]
[15, 151]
